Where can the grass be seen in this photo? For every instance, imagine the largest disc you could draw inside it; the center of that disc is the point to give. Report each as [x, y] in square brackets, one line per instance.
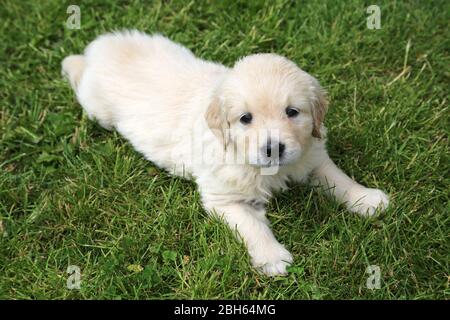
[72, 193]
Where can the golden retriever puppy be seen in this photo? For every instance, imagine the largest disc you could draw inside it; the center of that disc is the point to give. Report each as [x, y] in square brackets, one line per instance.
[242, 133]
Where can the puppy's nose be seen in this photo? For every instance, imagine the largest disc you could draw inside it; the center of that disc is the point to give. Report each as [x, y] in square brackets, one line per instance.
[269, 148]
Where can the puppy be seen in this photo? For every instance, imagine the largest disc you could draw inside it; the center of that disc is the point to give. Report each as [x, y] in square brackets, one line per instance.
[242, 133]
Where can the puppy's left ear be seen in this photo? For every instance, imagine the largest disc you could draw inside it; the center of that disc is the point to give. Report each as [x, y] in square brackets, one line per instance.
[319, 108]
[216, 119]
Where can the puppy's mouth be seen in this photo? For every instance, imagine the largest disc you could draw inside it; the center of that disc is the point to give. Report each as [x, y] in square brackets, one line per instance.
[279, 162]
[271, 163]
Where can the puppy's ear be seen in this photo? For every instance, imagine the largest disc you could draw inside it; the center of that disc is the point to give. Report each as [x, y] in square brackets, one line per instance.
[216, 119]
[319, 109]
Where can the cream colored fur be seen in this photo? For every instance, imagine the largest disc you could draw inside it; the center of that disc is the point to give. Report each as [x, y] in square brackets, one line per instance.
[183, 114]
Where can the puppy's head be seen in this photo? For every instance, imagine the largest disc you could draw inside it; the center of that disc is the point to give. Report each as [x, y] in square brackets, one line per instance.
[269, 109]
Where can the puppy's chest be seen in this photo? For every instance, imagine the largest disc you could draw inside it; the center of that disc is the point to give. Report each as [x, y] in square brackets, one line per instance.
[263, 187]
[269, 185]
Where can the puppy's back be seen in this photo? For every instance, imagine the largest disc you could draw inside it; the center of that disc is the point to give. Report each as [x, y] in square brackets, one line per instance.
[147, 87]
[128, 47]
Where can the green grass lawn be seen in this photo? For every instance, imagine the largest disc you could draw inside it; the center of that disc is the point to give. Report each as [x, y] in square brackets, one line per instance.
[72, 193]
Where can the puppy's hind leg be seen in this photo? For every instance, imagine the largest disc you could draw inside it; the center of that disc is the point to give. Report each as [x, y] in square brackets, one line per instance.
[266, 253]
[72, 68]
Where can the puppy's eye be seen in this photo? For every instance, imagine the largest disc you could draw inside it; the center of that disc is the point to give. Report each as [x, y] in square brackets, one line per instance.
[291, 112]
[246, 118]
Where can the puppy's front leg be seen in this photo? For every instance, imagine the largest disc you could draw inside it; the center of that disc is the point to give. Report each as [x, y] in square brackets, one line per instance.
[357, 198]
[266, 253]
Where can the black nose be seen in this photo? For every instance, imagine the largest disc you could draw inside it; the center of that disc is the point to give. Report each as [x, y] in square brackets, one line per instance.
[281, 147]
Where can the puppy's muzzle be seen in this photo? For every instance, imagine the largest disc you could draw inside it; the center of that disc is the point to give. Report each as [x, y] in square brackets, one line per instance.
[273, 150]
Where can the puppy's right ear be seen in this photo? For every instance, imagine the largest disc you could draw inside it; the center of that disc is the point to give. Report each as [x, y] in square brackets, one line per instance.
[319, 109]
[216, 119]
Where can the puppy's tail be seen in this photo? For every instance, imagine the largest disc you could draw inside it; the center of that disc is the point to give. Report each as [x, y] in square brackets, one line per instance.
[73, 68]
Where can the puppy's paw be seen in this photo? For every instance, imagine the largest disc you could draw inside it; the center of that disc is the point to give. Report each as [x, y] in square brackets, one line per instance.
[271, 260]
[366, 201]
